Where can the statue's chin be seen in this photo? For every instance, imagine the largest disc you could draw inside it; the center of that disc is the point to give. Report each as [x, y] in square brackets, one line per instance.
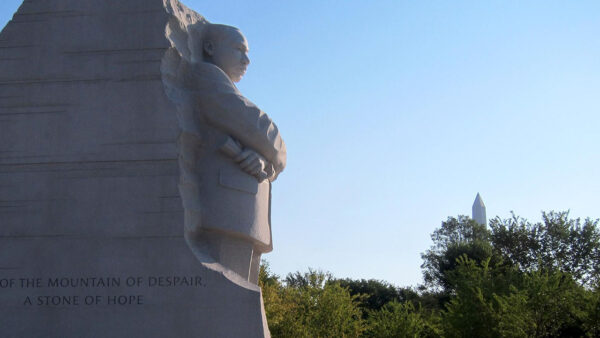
[236, 78]
[237, 75]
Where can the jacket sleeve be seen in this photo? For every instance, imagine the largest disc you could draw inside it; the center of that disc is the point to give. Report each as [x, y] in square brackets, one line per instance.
[223, 106]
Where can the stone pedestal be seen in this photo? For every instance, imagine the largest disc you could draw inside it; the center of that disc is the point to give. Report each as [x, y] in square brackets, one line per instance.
[91, 219]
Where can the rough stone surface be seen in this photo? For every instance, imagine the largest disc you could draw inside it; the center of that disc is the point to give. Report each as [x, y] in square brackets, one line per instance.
[89, 178]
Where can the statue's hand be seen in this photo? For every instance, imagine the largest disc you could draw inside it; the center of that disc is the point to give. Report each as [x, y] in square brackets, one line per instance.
[252, 163]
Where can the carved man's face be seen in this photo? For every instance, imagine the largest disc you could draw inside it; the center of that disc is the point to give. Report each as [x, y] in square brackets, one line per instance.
[230, 53]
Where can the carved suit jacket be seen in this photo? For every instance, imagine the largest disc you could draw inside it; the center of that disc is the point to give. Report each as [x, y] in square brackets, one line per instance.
[225, 198]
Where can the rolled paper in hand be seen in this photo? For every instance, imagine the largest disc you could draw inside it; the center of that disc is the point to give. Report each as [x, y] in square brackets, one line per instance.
[233, 149]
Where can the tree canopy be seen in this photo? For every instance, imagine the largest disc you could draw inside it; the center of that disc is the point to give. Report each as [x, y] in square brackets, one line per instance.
[511, 279]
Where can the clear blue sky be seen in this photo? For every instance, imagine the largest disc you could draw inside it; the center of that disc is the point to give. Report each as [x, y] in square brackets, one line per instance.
[396, 113]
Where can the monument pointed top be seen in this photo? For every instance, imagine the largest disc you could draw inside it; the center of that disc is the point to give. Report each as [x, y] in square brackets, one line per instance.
[478, 201]
[479, 210]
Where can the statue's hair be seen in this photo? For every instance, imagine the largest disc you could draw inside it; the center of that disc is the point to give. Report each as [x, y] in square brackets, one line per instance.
[213, 32]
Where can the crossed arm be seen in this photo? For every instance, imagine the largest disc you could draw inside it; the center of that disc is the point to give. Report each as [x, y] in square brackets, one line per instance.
[262, 152]
[254, 164]
[249, 160]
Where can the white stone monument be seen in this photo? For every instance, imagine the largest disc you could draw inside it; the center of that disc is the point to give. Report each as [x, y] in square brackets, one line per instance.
[128, 184]
[230, 152]
[478, 210]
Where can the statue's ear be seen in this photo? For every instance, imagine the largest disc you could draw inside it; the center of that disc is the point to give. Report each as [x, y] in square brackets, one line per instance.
[208, 47]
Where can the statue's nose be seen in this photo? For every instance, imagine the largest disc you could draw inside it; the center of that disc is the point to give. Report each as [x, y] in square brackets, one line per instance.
[245, 60]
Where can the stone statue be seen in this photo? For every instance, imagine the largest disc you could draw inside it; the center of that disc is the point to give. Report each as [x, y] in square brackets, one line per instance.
[229, 160]
[127, 155]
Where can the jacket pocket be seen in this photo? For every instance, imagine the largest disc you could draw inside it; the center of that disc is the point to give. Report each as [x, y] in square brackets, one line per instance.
[238, 180]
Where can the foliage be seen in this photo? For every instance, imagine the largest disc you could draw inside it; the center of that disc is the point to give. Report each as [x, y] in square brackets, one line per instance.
[556, 303]
[591, 322]
[515, 279]
[483, 305]
[275, 305]
[396, 319]
[310, 305]
[313, 279]
[377, 293]
[556, 243]
[535, 304]
[456, 237]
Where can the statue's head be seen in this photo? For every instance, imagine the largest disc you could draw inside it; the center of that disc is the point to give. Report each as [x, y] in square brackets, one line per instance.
[226, 47]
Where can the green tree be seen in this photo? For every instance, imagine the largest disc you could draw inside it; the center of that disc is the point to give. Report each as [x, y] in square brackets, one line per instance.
[516, 279]
[377, 293]
[455, 238]
[556, 243]
[591, 323]
[312, 305]
[276, 306]
[396, 319]
[484, 303]
[501, 301]
[556, 303]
